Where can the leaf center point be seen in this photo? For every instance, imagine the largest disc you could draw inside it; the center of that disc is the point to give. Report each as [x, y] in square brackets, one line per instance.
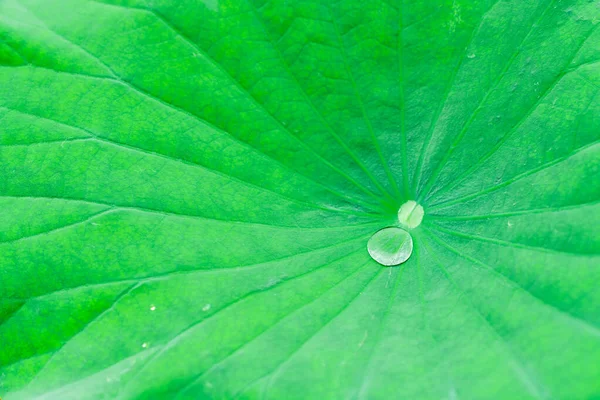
[410, 214]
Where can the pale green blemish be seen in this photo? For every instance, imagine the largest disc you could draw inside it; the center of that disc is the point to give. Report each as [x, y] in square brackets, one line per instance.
[390, 246]
[410, 214]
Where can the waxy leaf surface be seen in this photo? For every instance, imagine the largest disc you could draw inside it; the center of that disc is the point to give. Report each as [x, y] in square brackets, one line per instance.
[187, 189]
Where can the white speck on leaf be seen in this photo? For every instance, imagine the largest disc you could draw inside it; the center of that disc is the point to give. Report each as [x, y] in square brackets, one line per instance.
[362, 342]
[206, 307]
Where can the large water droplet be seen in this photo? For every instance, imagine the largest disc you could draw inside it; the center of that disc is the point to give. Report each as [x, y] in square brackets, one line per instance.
[390, 246]
[410, 214]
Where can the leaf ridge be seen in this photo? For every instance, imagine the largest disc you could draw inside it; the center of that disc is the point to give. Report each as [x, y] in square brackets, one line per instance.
[510, 214]
[199, 377]
[173, 273]
[118, 79]
[359, 99]
[160, 212]
[274, 373]
[516, 178]
[307, 99]
[403, 139]
[377, 340]
[518, 365]
[123, 294]
[61, 228]
[57, 141]
[442, 103]
[128, 147]
[506, 243]
[569, 317]
[519, 123]
[283, 128]
[432, 179]
[195, 324]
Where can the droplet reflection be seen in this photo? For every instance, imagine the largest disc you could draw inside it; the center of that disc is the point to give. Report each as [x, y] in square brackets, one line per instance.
[390, 246]
[410, 214]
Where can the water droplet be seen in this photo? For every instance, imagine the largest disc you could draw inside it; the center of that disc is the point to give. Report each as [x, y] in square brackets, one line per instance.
[410, 214]
[390, 246]
[206, 307]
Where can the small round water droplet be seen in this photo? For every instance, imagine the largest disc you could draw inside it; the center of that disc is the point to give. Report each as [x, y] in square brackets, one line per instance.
[410, 214]
[390, 246]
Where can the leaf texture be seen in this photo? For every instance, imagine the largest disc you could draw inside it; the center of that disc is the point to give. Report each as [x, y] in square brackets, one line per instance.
[187, 189]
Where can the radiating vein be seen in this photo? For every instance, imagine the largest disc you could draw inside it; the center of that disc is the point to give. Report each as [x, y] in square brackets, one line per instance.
[442, 103]
[376, 144]
[418, 254]
[315, 110]
[169, 344]
[377, 340]
[176, 273]
[273, 374]
[505, 243]
[6, 317]
[542, 167]
[56, 141]
[580, 323]
[520, 122]
[403, 141]
[240, 348]
[172, 106]
[167, 213]
[48, 354]
[94, 136]
[520, 368]
[123, 294]
[128, 147]
[61, 228]
[512, 213]
[173, 340]
[239, 86]
[433, 177]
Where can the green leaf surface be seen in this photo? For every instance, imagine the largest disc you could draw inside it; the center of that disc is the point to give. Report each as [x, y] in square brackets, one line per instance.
[187, 189]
